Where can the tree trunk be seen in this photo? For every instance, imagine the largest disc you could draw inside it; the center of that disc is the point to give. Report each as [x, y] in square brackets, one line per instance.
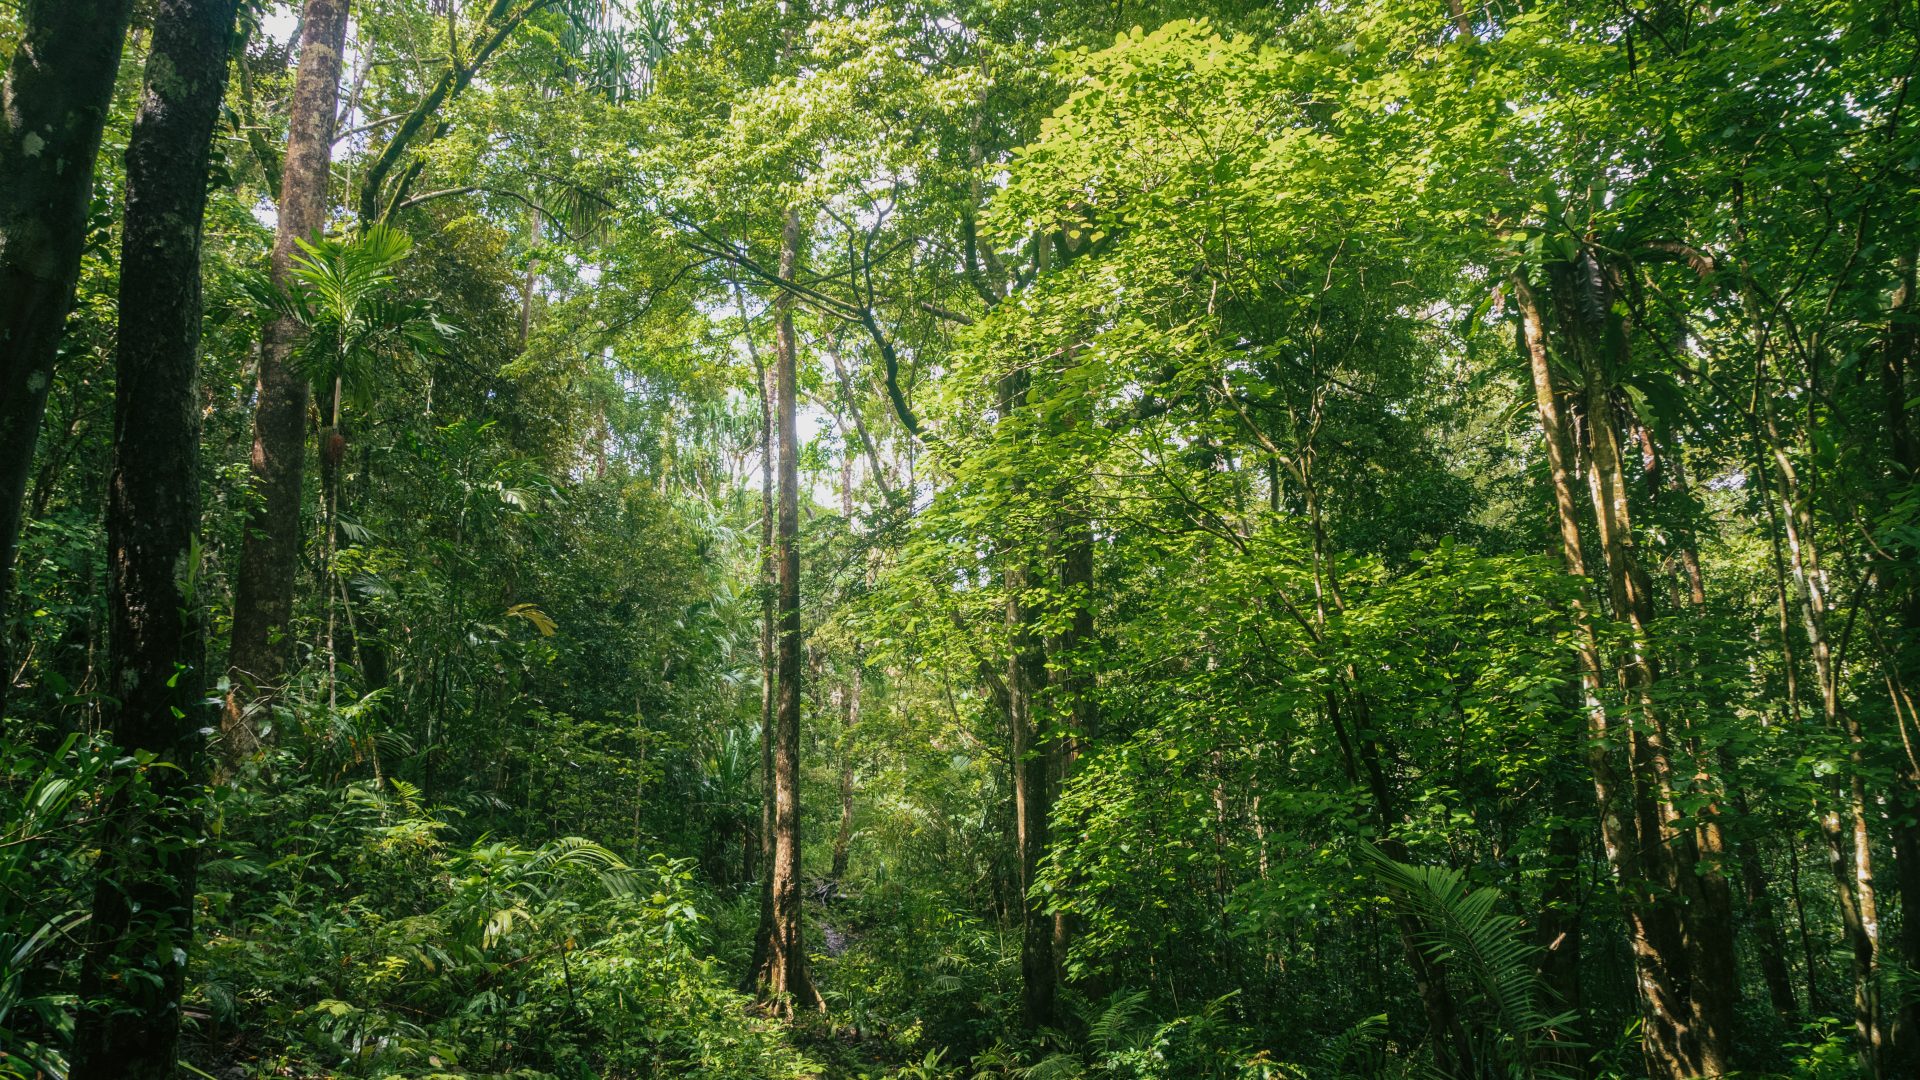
[1690, 861]
[1849, 853]
[1028, 759]
[1070, 655]
[270, 546]
[1032, 802]
[1903, 663]
[142, 926]
[856, 680]
[53, 106]
[786, 980]
[1659, 968]
[843, 839]
[1670, 477]
[1768, 944]
[763, 376]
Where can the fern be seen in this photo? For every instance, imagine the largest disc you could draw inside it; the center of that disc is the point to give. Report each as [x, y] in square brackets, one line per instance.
[1059, 1065]
[1488, 951]
[1120, 1025]
[1357, 1052]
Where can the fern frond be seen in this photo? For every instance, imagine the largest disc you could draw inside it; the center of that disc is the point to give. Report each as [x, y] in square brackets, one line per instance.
[1120, 1023]
[1462, 930]
[1358, 1051]
[1058, 1065]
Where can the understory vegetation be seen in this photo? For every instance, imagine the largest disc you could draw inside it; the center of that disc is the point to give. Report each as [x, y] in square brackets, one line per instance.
[959, 539]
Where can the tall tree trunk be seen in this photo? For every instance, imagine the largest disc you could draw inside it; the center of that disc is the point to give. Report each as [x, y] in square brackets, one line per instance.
[1659, 967]
[1029, 758]
[1901, 656]
[53, 106]
[856, 679]
[1842, 815]
[1788, 519]
[270, 544]
[1070, 655]
[1691, 860]
[786, 980]
[1903, 663]
[142, 926]
[1032, 801]
[1768, 944]
[1670, 477]
[763, 378]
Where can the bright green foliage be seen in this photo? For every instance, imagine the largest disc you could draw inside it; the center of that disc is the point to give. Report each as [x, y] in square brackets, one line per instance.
[1167, 385]
[338, 293]
[559, 956]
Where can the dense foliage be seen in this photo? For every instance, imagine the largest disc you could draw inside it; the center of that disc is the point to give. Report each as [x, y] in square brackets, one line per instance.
[959, 539]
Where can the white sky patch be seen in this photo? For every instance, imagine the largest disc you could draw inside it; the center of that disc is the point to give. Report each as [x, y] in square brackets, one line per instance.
[279, 23]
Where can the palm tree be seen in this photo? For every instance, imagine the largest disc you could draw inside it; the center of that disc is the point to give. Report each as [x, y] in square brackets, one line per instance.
[340, 291]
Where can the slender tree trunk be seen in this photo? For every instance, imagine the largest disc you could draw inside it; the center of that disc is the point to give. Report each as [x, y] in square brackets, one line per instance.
[764, 375]
[1768, 948]
[1032, 801]
[1903, 662]
[1559, 926]
[1029, 759]
[53, 106]
[1072, 659]
[1849, 851]
[142, 926]
[1784, 508]
[843, 839]
[1659, 969]
[786, 978]
[1768, 945]
[270, 544]
[1665, 481]
[1691, 860]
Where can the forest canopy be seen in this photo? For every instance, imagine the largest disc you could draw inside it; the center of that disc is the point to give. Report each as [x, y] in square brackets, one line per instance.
[959, 540]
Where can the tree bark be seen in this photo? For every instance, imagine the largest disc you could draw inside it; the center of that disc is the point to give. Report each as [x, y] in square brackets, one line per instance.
[1896, 362]
[1075, 667]
[53, 107]
[856, 680]
[142, 925]
[1670, 477]
[1690, 861]
[1849, 852]
[270, 547]
[769, 676]
[1032, 802]
[1660, 970]
[1028, 758]
[786, 980]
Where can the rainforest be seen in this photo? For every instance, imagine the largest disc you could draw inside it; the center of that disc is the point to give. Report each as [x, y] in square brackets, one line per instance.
[959, 539]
